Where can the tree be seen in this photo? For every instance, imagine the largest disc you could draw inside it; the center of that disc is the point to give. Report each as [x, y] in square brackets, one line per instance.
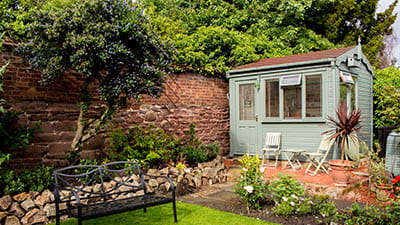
[108, 42]
[387, 97]
[343, 21]
[213, 36]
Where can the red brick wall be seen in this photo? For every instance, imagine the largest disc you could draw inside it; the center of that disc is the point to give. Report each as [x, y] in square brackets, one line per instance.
[187, 98]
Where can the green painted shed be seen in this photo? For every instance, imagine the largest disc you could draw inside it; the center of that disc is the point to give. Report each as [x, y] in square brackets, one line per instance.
[294, 95]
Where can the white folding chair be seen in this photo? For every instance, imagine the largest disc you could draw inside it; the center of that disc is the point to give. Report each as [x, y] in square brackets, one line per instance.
[272, 146]
[318, 158]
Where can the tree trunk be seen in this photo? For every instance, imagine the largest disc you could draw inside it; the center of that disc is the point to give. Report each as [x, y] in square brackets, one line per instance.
[80, 128]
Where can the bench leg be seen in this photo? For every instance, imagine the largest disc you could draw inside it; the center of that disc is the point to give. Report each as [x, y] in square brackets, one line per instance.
[144, 209]
[79, 221]
[174, 208]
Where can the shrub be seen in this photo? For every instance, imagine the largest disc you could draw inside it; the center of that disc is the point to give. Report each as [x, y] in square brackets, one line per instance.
[193, 154]
[82, 170]
[324, 207]
[38, 179]
[250, 186]
[288, 195]
[359, 215]
[211, 150]
[9, 182]
[151, 146]
[30, 180]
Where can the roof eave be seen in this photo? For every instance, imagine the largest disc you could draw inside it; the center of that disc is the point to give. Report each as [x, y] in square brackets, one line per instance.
[247, 70]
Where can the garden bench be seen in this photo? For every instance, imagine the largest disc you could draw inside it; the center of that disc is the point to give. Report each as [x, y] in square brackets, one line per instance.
[105, 189]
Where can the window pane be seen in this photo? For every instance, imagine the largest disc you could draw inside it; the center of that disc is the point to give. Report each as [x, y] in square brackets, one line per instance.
[313, 96]
[292, 102]
[246, 102]
[272, 98]
[291, 80]
[348, 91]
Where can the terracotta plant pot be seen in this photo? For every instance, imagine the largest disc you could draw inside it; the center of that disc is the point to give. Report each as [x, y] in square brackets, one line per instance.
[341, 172]
[383, 191]
[228, 161]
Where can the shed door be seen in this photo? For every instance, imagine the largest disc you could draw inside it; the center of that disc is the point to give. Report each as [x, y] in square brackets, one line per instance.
[247, 126]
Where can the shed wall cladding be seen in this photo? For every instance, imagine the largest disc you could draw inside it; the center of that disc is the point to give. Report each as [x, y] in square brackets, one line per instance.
[365, 104]
[188, 98]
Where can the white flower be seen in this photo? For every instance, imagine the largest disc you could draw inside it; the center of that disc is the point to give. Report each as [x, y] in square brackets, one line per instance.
[293, 196]
[292, 203]
[262, 169]
[249, 189]
[284, 199]
[244, 169]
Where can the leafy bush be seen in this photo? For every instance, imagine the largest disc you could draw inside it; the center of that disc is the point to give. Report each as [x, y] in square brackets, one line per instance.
[250, 187]
[324, 207]
[211, 150]
[38, 179]
[147, 146]
[288, 195]
[387, 98]
[360, 215]
[82, 170]
[9, 183]
[193, 155]
[30, 180]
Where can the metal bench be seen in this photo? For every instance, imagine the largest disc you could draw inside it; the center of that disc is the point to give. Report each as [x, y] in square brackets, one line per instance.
[106, 189]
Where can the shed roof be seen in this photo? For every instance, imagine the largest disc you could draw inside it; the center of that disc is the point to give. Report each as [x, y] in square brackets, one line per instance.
[325, 54]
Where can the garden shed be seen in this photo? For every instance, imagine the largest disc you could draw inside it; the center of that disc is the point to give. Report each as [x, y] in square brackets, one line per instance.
[293, 95]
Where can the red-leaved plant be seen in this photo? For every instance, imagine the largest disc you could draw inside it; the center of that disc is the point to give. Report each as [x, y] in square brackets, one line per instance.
[345, 126]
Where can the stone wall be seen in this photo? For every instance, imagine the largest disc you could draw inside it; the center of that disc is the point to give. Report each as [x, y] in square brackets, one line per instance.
[187, 98]
[39, 208]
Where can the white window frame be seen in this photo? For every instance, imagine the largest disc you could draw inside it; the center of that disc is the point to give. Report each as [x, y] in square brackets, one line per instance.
[302, 83]
[298, 82]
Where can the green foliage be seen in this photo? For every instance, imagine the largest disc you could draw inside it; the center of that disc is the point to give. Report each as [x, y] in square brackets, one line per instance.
[212, 150]
[342, 22]
[213, 36]
[325, 208]
[193, 154]
[149, 146]
[194, 151]
[114, 49]
[12, 136]
[250, 187]
[153, 147]
[30, 180]
[38, 179]
[9, 183]
[288, 195]
[360, 215]
[387, 98]
[286, 186]
[81, 170]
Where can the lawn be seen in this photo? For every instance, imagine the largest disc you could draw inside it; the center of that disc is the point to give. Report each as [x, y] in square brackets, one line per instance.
[188, 214]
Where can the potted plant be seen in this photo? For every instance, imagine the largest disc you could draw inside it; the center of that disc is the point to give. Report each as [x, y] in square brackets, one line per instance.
[345, 127]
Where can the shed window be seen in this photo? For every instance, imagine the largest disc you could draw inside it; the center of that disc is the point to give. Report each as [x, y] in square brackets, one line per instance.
[313, 96]
[292, 102]
[291, 80]
[272, 98]
[348, 94]
[246, 102]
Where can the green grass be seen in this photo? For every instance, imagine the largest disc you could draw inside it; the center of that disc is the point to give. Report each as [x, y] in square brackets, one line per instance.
[188, 214]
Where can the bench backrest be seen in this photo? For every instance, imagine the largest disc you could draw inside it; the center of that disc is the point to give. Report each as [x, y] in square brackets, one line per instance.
[94, 181]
